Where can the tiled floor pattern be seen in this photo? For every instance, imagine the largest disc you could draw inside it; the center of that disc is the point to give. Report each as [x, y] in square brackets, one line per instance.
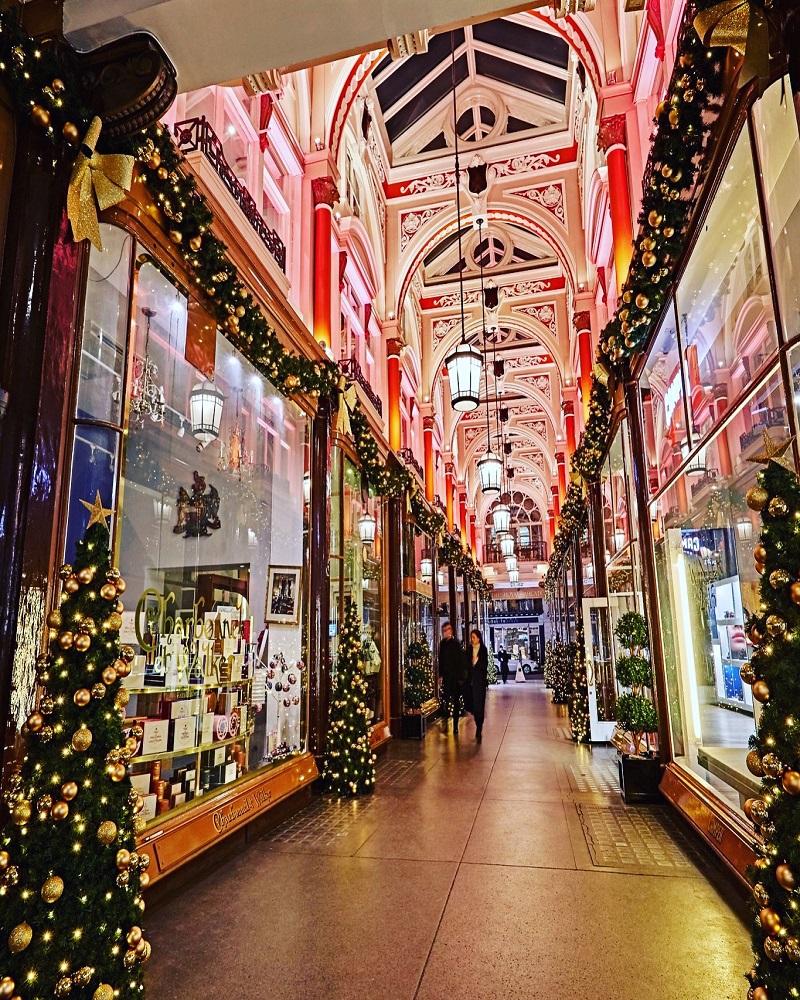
[505, 870]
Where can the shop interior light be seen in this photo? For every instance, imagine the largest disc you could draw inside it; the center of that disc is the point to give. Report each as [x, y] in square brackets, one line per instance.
[205, 410]
[619, 539]
[366, 528]
[307, 487]
[511, 563]
[490, 469]
[744, 528]
[426, 570]
[507, 544]
[513, 577]
[440, 578]
[501, 518]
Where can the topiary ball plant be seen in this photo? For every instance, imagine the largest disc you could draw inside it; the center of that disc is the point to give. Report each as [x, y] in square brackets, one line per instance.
[634, 671]
[636, 713]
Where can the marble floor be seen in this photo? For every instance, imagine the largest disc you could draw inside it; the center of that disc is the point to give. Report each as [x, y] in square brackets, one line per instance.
[507, 869]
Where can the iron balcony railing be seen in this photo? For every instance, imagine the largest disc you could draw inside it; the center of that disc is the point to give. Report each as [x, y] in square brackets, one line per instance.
[195, 134]
[408, 457]
[351, 367]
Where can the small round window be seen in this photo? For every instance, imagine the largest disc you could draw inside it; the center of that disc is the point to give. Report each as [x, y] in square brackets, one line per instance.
[476, 123]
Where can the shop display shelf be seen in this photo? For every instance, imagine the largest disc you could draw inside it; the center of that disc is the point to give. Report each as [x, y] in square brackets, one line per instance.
[211, 686]
[191, 751]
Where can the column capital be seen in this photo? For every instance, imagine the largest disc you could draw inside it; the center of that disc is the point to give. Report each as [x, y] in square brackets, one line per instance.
[393, 347]
[449, 466]
[324, 191]
[427, 421]
[611, 132]
[568, 407]
[582, 321]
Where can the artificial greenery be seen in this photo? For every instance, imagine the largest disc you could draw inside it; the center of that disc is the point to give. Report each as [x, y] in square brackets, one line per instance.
[418, 675]
[70, 876]
[491, 667]
[558, 663]
[579, 691]
[774, 756]
[349, 767]
[636, 713]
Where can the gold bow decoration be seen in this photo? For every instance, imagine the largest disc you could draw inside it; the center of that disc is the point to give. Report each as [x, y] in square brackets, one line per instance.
[98, 181]
[347, 401]
[741, 26]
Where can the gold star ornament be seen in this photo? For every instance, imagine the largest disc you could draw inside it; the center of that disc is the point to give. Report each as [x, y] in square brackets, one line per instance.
[775, 451]
[98, 514]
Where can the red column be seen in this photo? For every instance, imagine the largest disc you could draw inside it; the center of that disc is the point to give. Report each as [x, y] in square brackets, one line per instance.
[723, 447]
[427, 441]
[462, 515]
[569, 425]
[561, 464]
[325, 194]
[551, 525]
[449, 480]
[393, 388]
[611, 138]
[556, 500]
[650, 439]
[583, 328]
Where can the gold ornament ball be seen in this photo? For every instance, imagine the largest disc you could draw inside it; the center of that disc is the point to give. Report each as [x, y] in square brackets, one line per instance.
[69, 790]
[108, 592]
[107, 832]
[71, 133]
[40, 116]
[134, 936]
[195, 243]
[72, 586]
[54, 619]
[66, 640]
[59, 811]
[791, 782]
[122, 697]
[778, 578]
[794, 592]
[5, 860]
[103, 992]
[116, 772]
[778, 507]
[122, 667]
[35, 721]
[83, 642]
[760, 993]
[144, 880]
[754, 764]
[21, 812]
[772, 765]
[63, 986]
[52, 888]
[127, 653]
[760, 554]
[773, 949]
[747, 673]
[82, 697]
[146, 953]
[785, 877]
[756, 498]
[655, 219]
[755, 635]
[123, 859]
[776, 625]
[83, 976]
[761, 691]
[81, 739]
[649, 259]
[86, 575]
[109, 675]
[98, 691]
[642, 301]
[760, 894]
[770, 920]
[7, 987]
[19, 938]
[121, 585]
[792, 948]
[176, 236]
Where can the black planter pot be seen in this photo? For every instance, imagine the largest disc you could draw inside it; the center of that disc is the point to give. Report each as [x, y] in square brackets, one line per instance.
[414, 726]
[639, 778]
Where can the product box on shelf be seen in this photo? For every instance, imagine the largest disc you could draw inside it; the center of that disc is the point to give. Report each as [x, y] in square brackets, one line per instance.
[207, 728]
[156, 736]
[135, 678]
[220, 727]
[230, 772]
[149, 810]
[141, 782]
[183, 735]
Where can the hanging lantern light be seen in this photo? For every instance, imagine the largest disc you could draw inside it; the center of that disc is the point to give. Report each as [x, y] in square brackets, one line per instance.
[501, 518]
[205, 410]
[507, 544]
[366, 528]
[464, 371]
[511, 563]
[490, 469]
[513, 577]
[440, 578]
[697, 466]
[426, 570]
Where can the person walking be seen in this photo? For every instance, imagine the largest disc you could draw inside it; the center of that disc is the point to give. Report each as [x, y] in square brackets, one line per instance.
[451, 676]
[503, 659]
[478, 682]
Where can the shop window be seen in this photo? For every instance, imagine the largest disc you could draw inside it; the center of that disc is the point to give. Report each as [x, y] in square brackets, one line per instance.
[704, 534]
[724, 302]
[210, 531]
[776, 133]
[664, 403]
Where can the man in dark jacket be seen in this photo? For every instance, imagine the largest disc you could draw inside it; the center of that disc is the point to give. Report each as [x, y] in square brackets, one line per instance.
[503, 658]
[452, 663]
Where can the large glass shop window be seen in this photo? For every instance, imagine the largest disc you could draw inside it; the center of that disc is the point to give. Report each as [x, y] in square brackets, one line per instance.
[704, 535]
[210, 531]
[356, 571]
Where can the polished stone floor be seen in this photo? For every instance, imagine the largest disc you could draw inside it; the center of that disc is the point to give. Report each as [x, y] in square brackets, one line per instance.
[508, 869]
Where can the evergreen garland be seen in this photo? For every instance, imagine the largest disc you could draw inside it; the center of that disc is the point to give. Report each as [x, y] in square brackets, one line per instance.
[774, 756]
[349, 767]
[70, 875]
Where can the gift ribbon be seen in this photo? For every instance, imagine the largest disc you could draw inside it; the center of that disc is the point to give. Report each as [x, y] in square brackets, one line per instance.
[347, 401]
[741, 26]
[98, 181]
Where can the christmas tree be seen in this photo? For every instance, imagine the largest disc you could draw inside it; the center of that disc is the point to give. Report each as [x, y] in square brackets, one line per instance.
[774, 631]
[349, 762]
[579, 693]
[491, 667]
[70, 875]
[563, 655]
[418, 680]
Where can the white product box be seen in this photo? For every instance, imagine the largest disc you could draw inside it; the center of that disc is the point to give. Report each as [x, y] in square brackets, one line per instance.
[207, 728]
[141, 782]
[156, 736]
[184, 733]
[149, 811]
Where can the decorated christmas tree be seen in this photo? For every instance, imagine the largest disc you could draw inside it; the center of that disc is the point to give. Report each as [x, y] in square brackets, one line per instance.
[579, 693]
[349, 762]
[563, 656]
[774, 631]
[70, 875]
[491, 667]
[418, 680]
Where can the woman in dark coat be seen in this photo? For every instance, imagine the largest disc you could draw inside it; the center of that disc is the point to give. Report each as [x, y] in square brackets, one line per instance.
[478, 668]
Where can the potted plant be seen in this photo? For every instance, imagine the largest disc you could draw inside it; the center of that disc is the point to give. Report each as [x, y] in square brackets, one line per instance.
[640, 771]
[418, 690]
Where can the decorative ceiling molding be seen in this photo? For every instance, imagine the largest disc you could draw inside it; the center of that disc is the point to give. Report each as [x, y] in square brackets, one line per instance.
[412, 222]
[516, 289]
[539, 382]
[544, 313]
[444, 327]
[550, 196]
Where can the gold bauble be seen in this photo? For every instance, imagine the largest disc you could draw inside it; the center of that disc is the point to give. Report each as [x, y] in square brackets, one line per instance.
[176, 236]
[655, 219]
[240, 312]
[776, 625]
[144, 880]
[108, 592]
[7, 987]
[86, 575]
[195, 243]
[669, 232]
[107, 832]
[52, 888]
[755, 635]
[649, 259]
[232, 323]
[129, 958]
[778, 578]
[59, 811]
[55, 618]
[69, 790]
[63, 986]
[755, 810]
[747, 673]
[109, 675]
[772, 765]
[757, 498]
[759, 568]
[71, 133]
[791, 782]
[114, 621]
[40, 116]
[674, 118]
[642, 301]
[139, 824]
[155, 160]
[785, 877]
[134, 936]
[794, 592]
[760, 554]
[72, 586]
[127, 653]
[81, 739]
[770, 920]
[121, 699]
[760, 993]
[123, 859]
[82, 697]
[778, 507]
[648, 243]
[98, 691]
[5, 860]
[773, 949]
[761, 691]
[148, 950]
[83, 976]
[792, 948]
[121, 585]
[116, 771]
[21, 812]
[760, 894]
[103, 992]
[19, 938]
[66, 639]
[666, 170]
[35, 721]
[83, 642]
